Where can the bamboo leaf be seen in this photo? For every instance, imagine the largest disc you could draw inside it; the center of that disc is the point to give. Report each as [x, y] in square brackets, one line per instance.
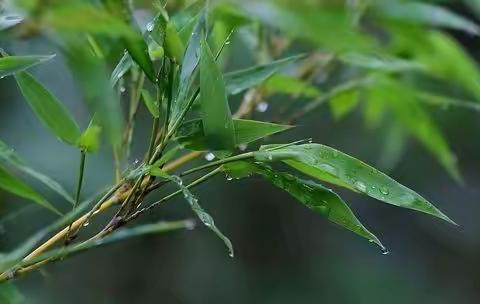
[217, 118]
[380, 62]
[314, 196]
[13, 185]
[9, 156]
[48, 108]
[238, 81]
[138, 50]
[89, 141]
[174, 47]
[204, 217]
[333, 166]
[426, 13]
[10, 65]
[152, 105]
[122, 67]
[289, 85]
[191, 134]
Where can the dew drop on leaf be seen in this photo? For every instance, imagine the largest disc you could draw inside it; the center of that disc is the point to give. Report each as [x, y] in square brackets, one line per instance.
[262, 107]
[209, 156]
[360, 186]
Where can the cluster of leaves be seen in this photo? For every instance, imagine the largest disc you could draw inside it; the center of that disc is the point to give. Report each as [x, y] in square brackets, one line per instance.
[367, 51]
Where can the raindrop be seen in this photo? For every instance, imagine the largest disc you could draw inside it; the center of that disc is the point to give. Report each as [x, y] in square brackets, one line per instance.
[269, 157]
[230, 254]
[242, 147]
[385, 251]
[384, 190]
[360, 186]
[229, 178]
[122, 89]
[150, 26]
[209, 156]
[86, 224]
[190, 225]
[262, 107]
[335, 153]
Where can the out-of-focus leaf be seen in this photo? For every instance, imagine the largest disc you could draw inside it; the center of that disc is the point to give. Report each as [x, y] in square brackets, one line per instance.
[9, 294]
[7, 21]
[217, 118]
[426, 13]
[203, 216]
[91, 74]
[185, 16]
[402, 100]
[86, 18]
[12, 64]
[152, 105]
[138, 50]
[116, 236]
[344, 103]
[121, 68]
[319, 23]
[174, 47]
[284, 84]
[394, 144]
[90, 139]
[191, 135]
[380, 62]
[48, 108]
[314, 196]
[239, 81]
[9, 156]
[333, 166]
[13, 185]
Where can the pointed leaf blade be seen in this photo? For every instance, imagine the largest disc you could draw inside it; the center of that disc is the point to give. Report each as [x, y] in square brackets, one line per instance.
[11, 64]
[48, 108]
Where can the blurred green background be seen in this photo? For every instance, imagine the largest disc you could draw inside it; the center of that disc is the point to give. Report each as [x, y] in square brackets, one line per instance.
[284, 252]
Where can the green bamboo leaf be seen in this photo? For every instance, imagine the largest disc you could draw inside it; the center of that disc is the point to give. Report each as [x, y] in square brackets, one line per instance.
[217, 118]
[203, 216]
[174, 47]
[333, 166]
[122, 67]
[9, 156]
[191, 134]
[185, 16]
[13, 185]
[12, 64]
[344, 103]
[329, 21]
[48, 108]
[9, 20]
[380, 62]
[152, 105]
[91, 75]
[86, 18]
[89, 141]
[138, 50]
[238, 81]
[187, 71]
[289, 85]
[117, 236]
[314, 196]
[9, 294]
[426, 13]
[402, 100]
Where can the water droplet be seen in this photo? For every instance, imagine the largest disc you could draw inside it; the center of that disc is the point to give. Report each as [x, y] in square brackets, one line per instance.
[150, 26]
[262, 107]
[209, 156]
[86, 224]
[122, 89]
[242, 147]
[360, 186]
[229, 178]
[230, 254]
[335, 153]
[190, 225]
[228, 42]
[384, 190]
[270, 157]
[385, 251]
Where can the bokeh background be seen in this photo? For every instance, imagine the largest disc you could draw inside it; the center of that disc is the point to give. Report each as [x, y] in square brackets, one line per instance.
[284, 252]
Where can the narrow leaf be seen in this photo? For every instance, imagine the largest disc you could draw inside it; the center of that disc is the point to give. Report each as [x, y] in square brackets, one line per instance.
[12, 64]
[380, 62]
[333, 166]
[48, 108]
[192, 136]
[138, 50]
[314, 196]
[89, 141]
[152, 105]
[238, 81]
[13, 185]
[121, 68]
[217, 118]
[289, 85]
[9, 156]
